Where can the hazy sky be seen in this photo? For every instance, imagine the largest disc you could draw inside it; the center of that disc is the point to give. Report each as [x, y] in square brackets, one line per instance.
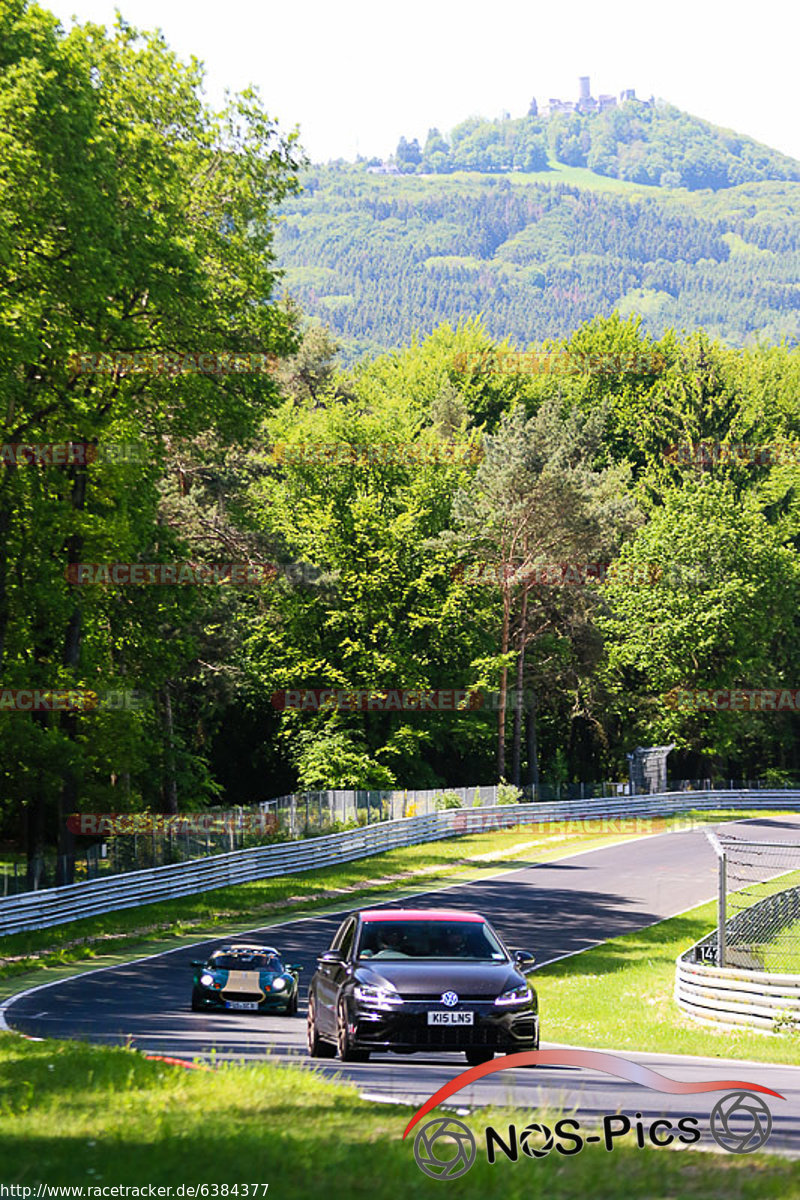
[355, 76]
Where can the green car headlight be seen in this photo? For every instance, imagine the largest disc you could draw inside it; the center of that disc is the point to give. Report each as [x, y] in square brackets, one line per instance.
[279, 985]
[207, 980]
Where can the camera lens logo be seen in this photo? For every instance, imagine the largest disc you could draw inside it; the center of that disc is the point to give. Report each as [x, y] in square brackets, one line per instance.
[740, 1122]
[444, 1148]
[533, 1146]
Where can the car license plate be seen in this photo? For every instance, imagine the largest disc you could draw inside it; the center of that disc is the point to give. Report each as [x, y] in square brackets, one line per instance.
[450, 1018]
[248, 1004]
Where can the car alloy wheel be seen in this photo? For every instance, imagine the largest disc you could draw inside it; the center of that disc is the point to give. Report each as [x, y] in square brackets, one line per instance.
[316, 1047]
[347, 1052]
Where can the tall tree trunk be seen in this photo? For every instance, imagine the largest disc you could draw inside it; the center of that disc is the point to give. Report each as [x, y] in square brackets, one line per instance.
[36, 824]
[170, 788]
[518, 711]
[533, 745]
[37, 809]
[67, 803]
[5, 607]
[501, 715]
[68, 794]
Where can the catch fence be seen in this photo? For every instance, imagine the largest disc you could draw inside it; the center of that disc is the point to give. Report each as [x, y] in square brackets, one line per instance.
[51, 906]
[310, 814]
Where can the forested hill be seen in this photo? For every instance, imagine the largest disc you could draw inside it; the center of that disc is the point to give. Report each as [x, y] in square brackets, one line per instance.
[638, 141]
[381, 258]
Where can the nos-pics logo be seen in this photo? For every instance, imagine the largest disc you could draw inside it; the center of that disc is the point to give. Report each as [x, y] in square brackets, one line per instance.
[445, 1148]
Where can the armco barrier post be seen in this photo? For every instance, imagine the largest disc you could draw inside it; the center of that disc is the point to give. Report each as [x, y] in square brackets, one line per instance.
[721, 909]
[722, 887]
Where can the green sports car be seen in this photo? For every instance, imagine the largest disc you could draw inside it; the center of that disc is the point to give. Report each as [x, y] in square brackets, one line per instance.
[245, 978]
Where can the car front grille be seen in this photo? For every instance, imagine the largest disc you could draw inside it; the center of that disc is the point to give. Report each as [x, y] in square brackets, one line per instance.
[456, 1036]
[241, 996]
[415, 1031]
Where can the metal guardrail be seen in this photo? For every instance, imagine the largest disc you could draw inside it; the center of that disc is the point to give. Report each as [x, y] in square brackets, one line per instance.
[737, 999]
[739, 995]
[291, 816]
[54, 906]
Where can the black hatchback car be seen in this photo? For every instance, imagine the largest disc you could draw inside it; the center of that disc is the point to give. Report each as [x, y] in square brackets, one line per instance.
[407, 980]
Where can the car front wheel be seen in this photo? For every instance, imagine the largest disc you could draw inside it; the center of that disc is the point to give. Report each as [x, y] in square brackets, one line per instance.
[316, 1047]
[348, 1052]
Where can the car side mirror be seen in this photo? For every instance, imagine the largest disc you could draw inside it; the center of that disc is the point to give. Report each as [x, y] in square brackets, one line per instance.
[197, 963]
[524, 959]
[294, 967]
[332, 957]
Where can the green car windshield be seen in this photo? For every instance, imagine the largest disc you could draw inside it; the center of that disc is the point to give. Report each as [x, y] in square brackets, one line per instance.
[242, 962]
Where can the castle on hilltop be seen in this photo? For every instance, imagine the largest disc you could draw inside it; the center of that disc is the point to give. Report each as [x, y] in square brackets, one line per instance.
[586, 102]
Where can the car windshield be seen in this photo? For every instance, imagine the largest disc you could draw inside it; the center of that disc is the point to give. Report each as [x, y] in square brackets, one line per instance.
[244, 962]
[429, 939]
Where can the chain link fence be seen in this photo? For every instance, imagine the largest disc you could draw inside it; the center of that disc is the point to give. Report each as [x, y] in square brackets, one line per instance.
[758, 906]
[122, 842]
[103, 850]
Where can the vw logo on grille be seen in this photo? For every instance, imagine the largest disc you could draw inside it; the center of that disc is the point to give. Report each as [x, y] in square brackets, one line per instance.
[450, 999]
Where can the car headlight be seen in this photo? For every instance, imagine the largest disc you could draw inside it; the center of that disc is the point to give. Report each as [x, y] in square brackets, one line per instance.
[278, 985]
[379, 996]
[207, 980]
[517, 995]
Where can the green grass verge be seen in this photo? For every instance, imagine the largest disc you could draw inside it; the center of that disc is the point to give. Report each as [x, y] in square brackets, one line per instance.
[110, 937]
[782, 953]
[620, 995]
[74, 1114]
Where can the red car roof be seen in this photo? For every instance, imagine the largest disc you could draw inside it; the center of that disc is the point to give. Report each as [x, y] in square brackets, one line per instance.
[419, 914]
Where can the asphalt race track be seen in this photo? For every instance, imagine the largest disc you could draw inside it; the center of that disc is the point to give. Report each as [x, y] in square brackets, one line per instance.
[555, 909]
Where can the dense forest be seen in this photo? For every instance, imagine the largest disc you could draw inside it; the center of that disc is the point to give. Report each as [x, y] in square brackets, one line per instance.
[539, 224]
[382, 259]
[452, 516]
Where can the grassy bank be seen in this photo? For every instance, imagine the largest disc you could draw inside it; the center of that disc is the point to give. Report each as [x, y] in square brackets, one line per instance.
[620, 995]
[234, 909]
[75, 1114]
